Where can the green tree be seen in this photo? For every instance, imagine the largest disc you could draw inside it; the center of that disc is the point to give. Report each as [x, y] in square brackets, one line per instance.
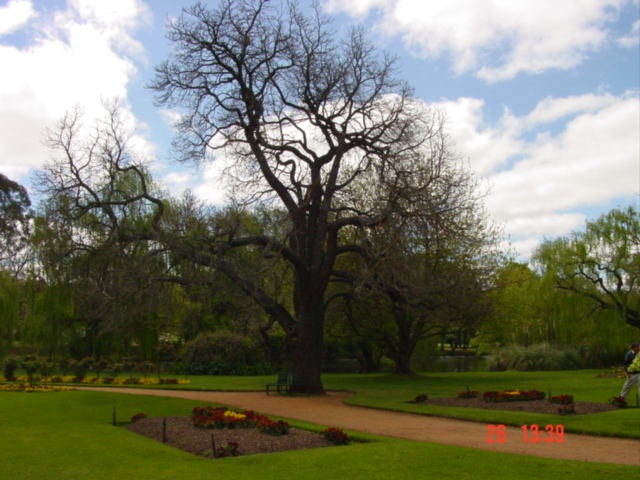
[94, 237]
[427, 271]
[15, 216]
[601, 263]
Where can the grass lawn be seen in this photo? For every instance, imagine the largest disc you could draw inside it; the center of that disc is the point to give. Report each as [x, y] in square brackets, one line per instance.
[393, 392]
[68, 435]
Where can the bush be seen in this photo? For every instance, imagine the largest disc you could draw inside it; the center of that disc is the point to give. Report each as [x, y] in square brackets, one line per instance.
[335, 435]
[562, 399]
[273, 427]
[138, 416]
[222, 353]
[11, 364]
[80, 368]
[535, 357]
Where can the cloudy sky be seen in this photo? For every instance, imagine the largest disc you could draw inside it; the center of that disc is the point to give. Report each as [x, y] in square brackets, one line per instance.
[542, 97]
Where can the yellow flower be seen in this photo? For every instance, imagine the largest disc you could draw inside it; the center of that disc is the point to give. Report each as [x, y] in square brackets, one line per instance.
[234, 415]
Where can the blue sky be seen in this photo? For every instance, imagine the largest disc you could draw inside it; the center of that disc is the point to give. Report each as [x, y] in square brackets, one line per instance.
[542, 97]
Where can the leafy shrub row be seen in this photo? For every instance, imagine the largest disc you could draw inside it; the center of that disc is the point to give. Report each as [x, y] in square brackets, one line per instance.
[223, 353]
[534, 358]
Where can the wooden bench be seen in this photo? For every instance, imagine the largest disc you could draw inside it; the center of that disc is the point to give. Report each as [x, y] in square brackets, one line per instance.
[281, 385]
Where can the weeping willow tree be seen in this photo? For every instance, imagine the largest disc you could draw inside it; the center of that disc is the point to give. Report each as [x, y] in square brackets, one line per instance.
[601, 264]
[582, 289]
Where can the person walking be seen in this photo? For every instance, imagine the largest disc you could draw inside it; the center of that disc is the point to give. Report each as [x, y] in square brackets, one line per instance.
[632, 369]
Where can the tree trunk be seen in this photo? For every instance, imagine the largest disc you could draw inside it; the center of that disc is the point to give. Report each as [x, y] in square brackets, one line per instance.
[402, 360]
[401, 349]
[309, 343]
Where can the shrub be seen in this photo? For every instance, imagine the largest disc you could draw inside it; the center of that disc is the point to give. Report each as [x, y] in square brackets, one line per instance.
[618, 402]
[138, 416]
[468, 394]
[30, 364]
[562, 399]
[567, 410]
[80, 368]
[100, 366]
[271, 427]
[11, 364]
[222, 353]
[335, 435]
[423, 397]
[227, 449]
[535, 357]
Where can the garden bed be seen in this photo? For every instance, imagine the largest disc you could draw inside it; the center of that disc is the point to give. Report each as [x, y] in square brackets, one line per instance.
[533, 406]
[180, 433]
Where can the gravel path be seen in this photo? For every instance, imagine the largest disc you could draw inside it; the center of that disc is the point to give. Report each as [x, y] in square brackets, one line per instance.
[329, 410]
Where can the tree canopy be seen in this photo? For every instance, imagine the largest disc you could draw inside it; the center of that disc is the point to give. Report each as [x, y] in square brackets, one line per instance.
[15, 215]
[601, 263]
[312, 120]
[331, 158]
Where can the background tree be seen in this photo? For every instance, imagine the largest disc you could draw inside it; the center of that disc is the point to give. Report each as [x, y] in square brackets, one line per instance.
[428, 266]
[95, 236]
[601, 264]
[15, 216]
[303, 114]
[535, 325]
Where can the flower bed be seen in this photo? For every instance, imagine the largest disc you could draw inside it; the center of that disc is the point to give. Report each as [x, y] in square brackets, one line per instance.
[116, 380]
[618, 402]
[468, 394]
[513, 396]
[562, 399]
[23, 387]
[567, 409]
[220, 417]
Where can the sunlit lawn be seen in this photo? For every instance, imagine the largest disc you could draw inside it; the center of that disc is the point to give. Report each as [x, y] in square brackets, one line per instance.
[68, 435]
[393, 392]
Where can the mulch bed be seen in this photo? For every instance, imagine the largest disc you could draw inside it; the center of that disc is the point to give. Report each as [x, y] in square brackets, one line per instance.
[533, 406]
[180, 433]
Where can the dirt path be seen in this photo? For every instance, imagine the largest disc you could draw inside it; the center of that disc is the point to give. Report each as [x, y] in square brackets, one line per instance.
[330, 411]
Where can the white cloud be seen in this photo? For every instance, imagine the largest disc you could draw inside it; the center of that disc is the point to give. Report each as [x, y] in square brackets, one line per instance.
[15, 15]
[82, 55]
[538, 185]
[496, 39]
[553, 109]
[633, 38]
[170, 117]
[213, 185]
[487, 147]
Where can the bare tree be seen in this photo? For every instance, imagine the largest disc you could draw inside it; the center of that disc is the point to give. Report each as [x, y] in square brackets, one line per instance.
[309, 116]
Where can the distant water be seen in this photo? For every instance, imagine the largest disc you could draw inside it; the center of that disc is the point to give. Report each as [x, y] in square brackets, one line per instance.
[455, 363]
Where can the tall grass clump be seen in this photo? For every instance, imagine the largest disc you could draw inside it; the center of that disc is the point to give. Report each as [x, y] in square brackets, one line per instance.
[541, 356]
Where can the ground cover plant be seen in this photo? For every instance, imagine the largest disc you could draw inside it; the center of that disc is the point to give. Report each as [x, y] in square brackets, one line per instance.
[69, 435]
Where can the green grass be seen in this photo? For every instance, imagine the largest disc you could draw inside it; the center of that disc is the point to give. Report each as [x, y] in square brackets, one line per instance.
[68, 435]
[393, 392]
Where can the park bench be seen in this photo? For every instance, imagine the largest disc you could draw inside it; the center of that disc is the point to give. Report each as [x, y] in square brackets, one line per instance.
[281, 385]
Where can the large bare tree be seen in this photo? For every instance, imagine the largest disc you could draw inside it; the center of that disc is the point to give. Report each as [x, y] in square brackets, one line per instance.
[308, 114]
